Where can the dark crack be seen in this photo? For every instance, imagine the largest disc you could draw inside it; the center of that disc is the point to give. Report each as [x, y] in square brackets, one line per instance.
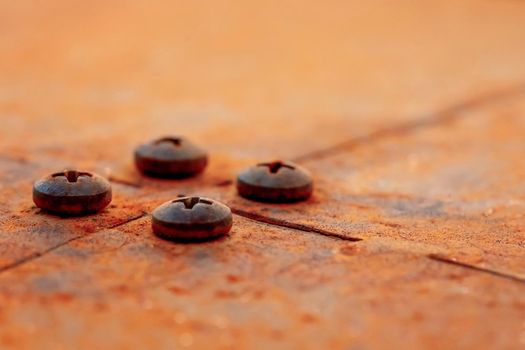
[493, 272]
[445, 115]
[40, 254]
[291, 225]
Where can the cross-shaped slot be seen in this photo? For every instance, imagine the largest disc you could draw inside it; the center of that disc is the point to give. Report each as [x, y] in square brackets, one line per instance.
[72, 175]
[175, 141]
[274, 167]
[190, 202]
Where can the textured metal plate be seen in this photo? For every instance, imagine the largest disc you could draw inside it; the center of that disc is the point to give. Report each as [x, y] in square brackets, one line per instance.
[411, 117]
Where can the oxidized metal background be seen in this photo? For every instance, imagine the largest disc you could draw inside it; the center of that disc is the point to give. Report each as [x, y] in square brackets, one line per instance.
[410, 115]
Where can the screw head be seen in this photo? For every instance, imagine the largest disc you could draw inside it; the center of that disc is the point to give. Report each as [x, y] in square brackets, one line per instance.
[277, 182]
[72, 192]
[170, 157]
[191, 219]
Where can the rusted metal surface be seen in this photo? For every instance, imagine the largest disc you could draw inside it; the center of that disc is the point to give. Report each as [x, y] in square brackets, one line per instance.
[410, 117]
[457, 186]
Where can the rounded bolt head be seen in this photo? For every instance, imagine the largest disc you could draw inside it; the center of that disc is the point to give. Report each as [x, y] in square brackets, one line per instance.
[192, 219]
[170, 157]
[72, 192]
[278, 182]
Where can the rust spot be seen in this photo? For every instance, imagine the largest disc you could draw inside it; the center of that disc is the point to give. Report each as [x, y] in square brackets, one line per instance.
[64, 297]
[88, 227]
[178, 290]
[350, 249]
[121, 288]
[101, 307]
[225, 294]
[309, 318]
[9, 340]
[258, 294]
[389, 224]
[278, 334]
[233, 278]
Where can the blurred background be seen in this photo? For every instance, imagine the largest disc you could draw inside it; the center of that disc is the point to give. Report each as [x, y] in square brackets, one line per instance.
[84, 71]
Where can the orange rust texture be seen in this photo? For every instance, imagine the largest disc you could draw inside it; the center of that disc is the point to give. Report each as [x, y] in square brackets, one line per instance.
[411, 116]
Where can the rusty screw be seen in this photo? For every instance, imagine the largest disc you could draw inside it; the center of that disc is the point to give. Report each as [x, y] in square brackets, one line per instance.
[192, 219]
[173, 157]
[278, 182]
[72, 192]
